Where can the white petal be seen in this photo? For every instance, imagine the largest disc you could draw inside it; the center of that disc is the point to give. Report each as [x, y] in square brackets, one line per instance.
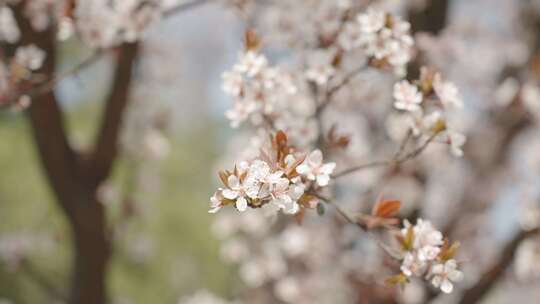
[323, 180]
[447, 286]
[436, 281]
[303, 169]
[315, 157]
[241, 204]
[437, 269]
[230, 194]
[455, 275]
[233, 181]
[328, 168]
[215, 209]
[450, 265]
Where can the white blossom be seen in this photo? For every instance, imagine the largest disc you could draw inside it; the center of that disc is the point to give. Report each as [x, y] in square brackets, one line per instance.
[314, 169]
[447, 92]
[407, 96]
[9, 31]
[444, 275]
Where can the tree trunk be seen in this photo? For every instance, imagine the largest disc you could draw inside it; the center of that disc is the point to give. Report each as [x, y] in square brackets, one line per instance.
[74, 177]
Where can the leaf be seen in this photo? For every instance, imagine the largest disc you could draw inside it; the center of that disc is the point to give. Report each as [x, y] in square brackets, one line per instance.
[448, 251]
[399, 279]
[407, 240]
[292, 170]
[299, 216]
[281, 139]
[252, 40]
[386, 208]
[224, 177]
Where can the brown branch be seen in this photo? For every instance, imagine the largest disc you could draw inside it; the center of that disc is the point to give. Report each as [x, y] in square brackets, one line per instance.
[46, 116]
[396, 161]
[431, 19]
[333, 90]
[182, 7]
[106, 146]
[493, 275]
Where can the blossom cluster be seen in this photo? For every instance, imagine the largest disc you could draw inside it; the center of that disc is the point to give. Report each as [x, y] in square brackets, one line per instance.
[277, 180]
[20, 74]
[126, 20]
[259, 91]
[425, 103]
[384, 38]
[425, 253]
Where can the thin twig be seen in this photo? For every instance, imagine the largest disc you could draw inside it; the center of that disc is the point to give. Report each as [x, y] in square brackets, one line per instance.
[47, 86]
[354, 169]
[351, 220]
[396, 161]
[403, 144]
[185, 6]
[333, 90]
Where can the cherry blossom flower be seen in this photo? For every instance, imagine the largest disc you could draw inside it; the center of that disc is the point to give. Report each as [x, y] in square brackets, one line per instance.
[456, 140]
[407, 96]
[427, 240]
[30, 57]
[314, 168]
[413, 265]
[371, 21]
[251, 63]
[447, 92]
[389, 43]
[258, 90]
[444, 275]
[9, 31]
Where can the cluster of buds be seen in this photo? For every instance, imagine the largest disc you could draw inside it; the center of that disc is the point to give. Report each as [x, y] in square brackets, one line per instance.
[259, 91]
[385, 39]
[279, 179]
[426, 254]
[425, 102]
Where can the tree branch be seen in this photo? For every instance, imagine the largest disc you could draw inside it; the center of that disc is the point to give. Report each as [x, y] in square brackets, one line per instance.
[182, 7]
[492, 276]
[46, 117]
[106, 146]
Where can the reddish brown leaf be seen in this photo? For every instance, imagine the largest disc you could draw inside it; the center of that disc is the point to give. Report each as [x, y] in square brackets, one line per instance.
[386, 208]
[224, 177]
[252, 40]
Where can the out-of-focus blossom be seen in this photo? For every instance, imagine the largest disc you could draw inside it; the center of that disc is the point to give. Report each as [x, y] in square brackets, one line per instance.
[445, 275]
[447, 92]
[30, 57]
[387, 42]
[314, 169]
[9, 31]
[407, 96]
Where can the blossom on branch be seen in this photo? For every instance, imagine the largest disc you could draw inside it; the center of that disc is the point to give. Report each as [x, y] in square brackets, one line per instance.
[384, 38]
[276, 180]
[426, 254]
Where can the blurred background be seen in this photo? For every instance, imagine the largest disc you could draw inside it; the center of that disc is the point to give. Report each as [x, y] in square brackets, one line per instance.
[173, 139]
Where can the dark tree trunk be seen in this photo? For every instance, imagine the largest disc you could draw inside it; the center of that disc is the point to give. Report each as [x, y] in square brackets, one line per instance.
[74, 179]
